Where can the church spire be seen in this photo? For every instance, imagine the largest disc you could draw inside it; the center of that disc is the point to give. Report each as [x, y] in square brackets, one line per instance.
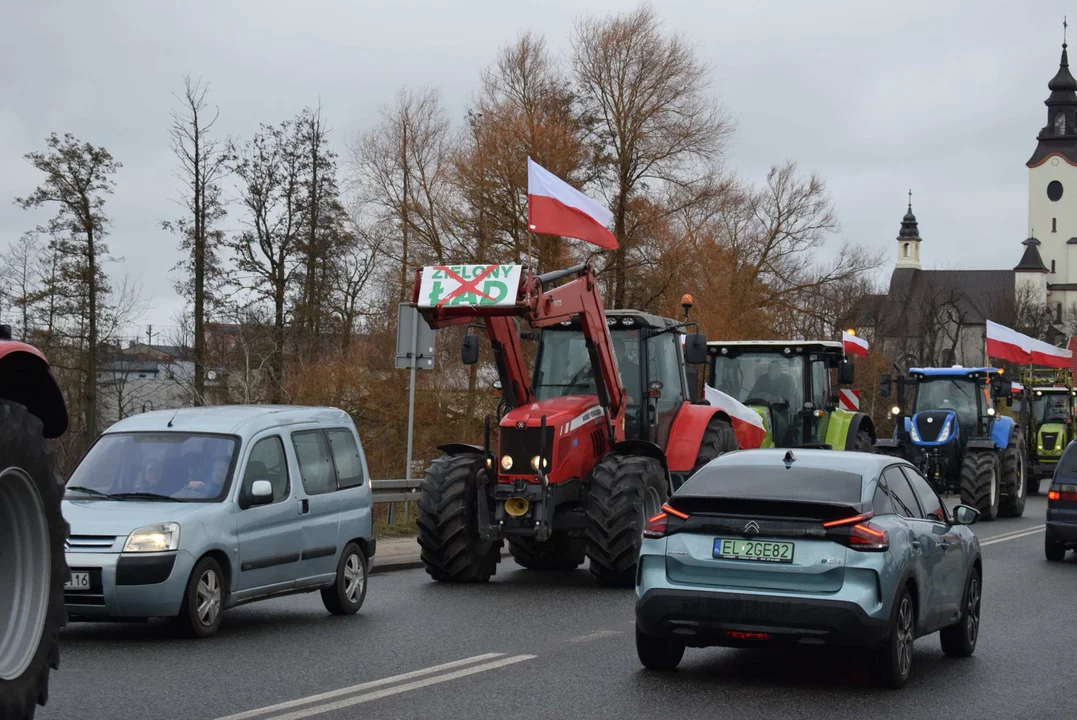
[909, 240]
[1059, 136]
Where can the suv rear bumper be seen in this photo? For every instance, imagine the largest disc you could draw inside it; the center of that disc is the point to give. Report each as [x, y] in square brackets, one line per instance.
[1066, 532]
[705, 618]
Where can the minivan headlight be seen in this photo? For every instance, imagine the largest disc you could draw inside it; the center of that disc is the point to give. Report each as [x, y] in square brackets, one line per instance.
[154, 538]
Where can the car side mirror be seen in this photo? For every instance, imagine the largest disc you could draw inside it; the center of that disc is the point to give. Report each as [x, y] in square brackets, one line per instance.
[884, 385]
[965, 515]
[846, 373]
[695, 348]
[1004, 390]
[261, 493]
[469, 349]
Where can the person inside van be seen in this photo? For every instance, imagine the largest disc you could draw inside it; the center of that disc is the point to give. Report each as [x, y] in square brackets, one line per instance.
[214, 482]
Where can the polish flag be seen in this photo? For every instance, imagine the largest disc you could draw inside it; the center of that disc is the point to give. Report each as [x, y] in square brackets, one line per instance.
[747, 423]
[556, 208]
[1007, 344]
[853, 345]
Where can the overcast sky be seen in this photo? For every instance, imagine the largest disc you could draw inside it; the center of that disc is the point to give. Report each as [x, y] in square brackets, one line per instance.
[942, 97]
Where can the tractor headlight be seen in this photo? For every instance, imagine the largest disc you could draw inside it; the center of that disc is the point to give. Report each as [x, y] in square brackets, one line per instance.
[895, 410]
[506, 462]
[153, 538]
[535, 463]
[947, 426]
[914, 432]
[991, 412]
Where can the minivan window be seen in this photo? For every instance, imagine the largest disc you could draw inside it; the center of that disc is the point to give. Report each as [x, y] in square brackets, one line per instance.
[315, 465]
[267, 462]
[178, 466]
[346, 458]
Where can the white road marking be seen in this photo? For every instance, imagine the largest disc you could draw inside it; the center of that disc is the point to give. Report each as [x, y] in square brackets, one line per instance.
[597, 635]
[378, 694]
[361, 686]
[1016, 535]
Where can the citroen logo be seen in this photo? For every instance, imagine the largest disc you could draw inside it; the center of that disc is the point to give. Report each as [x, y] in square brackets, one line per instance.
[67, 545]
[752, 528]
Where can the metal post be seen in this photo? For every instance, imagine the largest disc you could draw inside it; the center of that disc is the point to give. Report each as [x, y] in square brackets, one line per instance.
[411, 399]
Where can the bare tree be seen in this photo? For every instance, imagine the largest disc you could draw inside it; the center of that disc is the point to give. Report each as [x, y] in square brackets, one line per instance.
[656, 124]
[203, 163]
[24, 292]
[78, 176]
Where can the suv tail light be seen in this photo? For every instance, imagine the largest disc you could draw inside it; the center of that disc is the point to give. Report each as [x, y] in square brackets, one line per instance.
[656, 526]
[858, 533]
[1064, 493]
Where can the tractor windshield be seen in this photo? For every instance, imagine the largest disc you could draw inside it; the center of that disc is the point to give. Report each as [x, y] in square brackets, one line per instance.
[760, 378]
[957, 394]
[1050, 407]
[563, 367]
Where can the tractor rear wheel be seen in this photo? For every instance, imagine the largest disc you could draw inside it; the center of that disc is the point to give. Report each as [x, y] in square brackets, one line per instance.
[718, 439]
[560, 552]
[980, 483]
[448, 522]
[624, 491]
[32, 563]
[1014, 480]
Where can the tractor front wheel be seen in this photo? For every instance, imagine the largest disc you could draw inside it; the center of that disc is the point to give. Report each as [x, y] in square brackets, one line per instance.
[980, 483]
[864, 442]
[1014, 480]
[448, 522]
[718, 439]
[33, 569]
[624, 490]
[560, 552]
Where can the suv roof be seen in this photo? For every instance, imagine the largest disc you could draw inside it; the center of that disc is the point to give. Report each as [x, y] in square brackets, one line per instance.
[243, 420]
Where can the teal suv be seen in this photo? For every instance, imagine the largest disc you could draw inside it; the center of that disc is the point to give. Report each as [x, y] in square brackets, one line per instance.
[767, 548]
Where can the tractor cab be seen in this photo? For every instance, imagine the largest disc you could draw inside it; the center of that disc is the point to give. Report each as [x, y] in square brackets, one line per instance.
[649, 357]
[791, 385]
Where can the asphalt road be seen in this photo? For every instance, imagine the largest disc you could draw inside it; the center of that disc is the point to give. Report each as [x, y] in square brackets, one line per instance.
[546, 646]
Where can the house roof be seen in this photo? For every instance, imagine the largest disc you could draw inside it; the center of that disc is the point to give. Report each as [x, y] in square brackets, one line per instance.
[975, 295]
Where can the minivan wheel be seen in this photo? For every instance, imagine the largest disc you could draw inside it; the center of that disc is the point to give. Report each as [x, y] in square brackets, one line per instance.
[1054, 550]
[203, 600]
[894, 660]
[345, 596]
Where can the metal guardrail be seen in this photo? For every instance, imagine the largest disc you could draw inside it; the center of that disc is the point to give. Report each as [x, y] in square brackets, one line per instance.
[393, 492]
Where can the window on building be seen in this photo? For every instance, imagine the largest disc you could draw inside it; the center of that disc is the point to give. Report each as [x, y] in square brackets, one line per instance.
[1052, 266]
[1054, 224]
[906, 249]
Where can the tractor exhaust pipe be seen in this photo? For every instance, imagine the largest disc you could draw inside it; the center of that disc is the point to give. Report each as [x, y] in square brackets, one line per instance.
[555, 275]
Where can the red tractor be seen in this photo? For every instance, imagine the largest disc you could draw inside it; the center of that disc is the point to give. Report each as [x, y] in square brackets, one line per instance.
[587, 448]
[33, 570]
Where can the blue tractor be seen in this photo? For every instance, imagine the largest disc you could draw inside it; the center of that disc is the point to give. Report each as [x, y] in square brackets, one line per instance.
[958, 438]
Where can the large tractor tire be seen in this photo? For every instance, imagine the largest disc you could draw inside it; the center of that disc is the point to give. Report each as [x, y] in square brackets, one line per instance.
[980, 483]
[624, 490]
[864, 443]
[1014, 480]
[448, 523]
[560, 552]
[32, 563]
[718, 439]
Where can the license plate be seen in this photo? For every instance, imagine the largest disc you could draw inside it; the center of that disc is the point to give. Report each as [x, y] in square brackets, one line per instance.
[78, 581]
[758, 550]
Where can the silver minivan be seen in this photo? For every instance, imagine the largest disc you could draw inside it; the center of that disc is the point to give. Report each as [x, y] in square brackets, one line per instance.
[186, 513]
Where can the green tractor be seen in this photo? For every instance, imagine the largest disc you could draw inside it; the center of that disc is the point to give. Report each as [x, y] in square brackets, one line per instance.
[792, 385]
[1048, 399]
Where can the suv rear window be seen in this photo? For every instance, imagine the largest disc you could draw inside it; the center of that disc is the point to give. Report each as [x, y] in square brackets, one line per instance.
[755, 482]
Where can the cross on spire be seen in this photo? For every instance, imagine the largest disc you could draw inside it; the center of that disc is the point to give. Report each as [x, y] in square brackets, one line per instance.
[1064, 27]
[910, 198]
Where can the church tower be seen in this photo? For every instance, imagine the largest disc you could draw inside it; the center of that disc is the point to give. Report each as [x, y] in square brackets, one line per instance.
[908, 241]
[1052, 187]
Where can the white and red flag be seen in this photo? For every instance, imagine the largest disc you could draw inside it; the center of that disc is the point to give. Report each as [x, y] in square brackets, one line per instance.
[747, 423]
[556, 208]
[853, 345]
[1007, 344]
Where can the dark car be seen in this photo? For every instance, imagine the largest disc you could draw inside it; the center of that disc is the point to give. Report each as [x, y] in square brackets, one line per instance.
[768, 548]
[1062, 507]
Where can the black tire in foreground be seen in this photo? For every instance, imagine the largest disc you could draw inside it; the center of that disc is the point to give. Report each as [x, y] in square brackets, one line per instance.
[980, 483]
[718, 439]
[448, 523]
[1054, 550]
[624, 490]
[893, 661]
[32, 563]
[203, 600]
[959, 640]
[1014, 480]
[561, 552]
[658, 653]
[345, 596]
